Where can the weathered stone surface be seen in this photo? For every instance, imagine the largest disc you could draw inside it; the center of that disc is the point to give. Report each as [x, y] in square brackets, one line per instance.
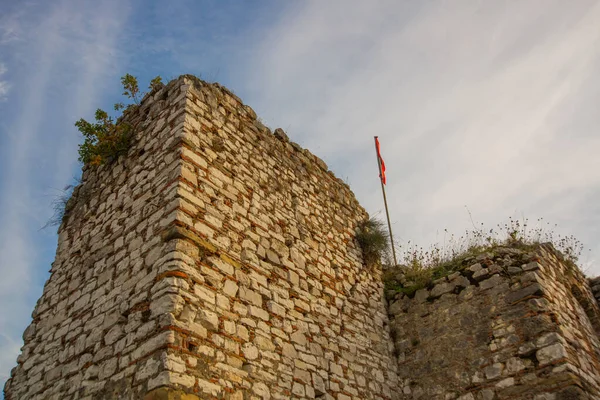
[280, 134]
[551, 353]
[420, 296]
[440, 289]
[491, 282]
[169, 394]
[518, 295]
[511, 335]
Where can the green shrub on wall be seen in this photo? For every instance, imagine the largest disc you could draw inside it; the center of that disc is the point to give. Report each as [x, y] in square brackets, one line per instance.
[107, 138]
[104, 140]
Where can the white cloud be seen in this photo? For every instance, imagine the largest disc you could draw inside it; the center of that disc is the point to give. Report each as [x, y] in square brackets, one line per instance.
[489, 106]
[4, 85]
[73, 44]
[4, 89]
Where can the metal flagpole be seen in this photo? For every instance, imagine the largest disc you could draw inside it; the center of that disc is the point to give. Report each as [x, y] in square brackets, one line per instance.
[387, 213]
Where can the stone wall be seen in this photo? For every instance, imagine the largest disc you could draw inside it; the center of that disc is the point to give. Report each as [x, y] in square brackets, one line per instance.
[93, 328]
[217, 260]
[595, 285]
[509, 324]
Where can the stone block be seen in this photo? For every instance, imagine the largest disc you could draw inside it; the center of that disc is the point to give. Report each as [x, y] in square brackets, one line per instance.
[533, 290]
[551, 353]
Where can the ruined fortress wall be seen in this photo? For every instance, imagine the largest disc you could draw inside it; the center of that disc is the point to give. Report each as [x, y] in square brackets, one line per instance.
[218, 260]
[215, 261]
[93, 325]
[509, 325]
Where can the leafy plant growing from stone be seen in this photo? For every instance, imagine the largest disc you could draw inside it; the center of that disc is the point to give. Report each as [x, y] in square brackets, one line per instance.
[109, 137]
[156, 83]
[130, 87]
[373, 240]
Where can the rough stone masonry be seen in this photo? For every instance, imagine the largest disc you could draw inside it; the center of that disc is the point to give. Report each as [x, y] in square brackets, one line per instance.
[508, 324]
[216, 260]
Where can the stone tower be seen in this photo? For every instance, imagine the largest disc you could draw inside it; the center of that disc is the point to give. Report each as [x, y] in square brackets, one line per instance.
[215, 261]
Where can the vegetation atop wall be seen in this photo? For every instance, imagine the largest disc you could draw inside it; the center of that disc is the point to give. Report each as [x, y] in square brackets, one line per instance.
[419, 267]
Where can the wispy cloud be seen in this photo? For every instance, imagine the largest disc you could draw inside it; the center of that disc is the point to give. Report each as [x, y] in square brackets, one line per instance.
[488, 105]
[10, 28]
[64, 50]
[4, 85]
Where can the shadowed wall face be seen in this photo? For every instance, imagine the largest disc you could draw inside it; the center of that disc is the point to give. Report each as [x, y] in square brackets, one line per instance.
[94, 324]
[216, 260]
[509, 325]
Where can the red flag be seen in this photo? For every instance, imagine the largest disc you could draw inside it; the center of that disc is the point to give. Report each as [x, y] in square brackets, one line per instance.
[382, 175]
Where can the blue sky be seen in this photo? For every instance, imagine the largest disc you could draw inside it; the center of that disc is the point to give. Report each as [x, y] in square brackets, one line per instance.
[489, 105]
